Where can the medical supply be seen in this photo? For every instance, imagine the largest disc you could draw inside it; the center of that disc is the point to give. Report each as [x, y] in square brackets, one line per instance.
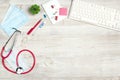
[43, 21]
[8, 54]
[56, 18]
[95, 14]
[30, 31]
[15, 18]
[44, 15]
[51, 8]
[42, 24]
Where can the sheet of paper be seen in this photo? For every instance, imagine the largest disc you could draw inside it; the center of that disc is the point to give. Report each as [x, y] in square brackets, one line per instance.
[52, 10]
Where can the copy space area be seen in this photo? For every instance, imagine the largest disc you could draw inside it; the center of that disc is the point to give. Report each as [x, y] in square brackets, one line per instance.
[68, 50]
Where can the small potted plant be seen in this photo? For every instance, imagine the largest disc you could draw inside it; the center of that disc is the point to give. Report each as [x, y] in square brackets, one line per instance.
[34, 9]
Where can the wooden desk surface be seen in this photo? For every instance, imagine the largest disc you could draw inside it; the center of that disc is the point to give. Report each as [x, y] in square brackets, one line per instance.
[68, 50]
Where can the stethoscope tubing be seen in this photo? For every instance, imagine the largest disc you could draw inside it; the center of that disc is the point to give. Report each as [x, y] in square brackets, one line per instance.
[17, 63]
[17, 57]
[3, 60]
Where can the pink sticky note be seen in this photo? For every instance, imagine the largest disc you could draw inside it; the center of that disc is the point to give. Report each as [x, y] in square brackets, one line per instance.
[63, 11]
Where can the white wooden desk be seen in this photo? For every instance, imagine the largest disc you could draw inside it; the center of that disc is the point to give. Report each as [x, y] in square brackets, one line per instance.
[68, 50]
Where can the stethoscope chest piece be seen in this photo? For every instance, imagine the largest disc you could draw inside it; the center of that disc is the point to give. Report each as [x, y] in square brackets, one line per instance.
[19, 70]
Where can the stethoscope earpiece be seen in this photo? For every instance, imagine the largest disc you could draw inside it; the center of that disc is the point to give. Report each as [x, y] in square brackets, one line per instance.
[16, 30]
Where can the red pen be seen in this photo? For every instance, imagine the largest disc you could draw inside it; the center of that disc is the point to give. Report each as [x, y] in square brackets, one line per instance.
[34, 27]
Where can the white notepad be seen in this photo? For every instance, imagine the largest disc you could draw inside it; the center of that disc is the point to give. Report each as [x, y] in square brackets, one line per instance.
[52, 12]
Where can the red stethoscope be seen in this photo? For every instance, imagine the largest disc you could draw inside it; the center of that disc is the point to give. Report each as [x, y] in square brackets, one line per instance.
[19, 70]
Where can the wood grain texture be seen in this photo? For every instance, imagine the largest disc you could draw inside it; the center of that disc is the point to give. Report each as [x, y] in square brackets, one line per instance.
[68, 50]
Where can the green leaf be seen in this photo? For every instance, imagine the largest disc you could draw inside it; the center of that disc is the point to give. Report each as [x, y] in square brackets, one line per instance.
[34, 9]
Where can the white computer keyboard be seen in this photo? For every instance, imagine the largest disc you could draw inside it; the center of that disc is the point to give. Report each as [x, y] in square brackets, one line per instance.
[95, 14]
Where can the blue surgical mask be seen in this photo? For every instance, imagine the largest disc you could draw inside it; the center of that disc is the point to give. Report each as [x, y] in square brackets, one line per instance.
[15, 18]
